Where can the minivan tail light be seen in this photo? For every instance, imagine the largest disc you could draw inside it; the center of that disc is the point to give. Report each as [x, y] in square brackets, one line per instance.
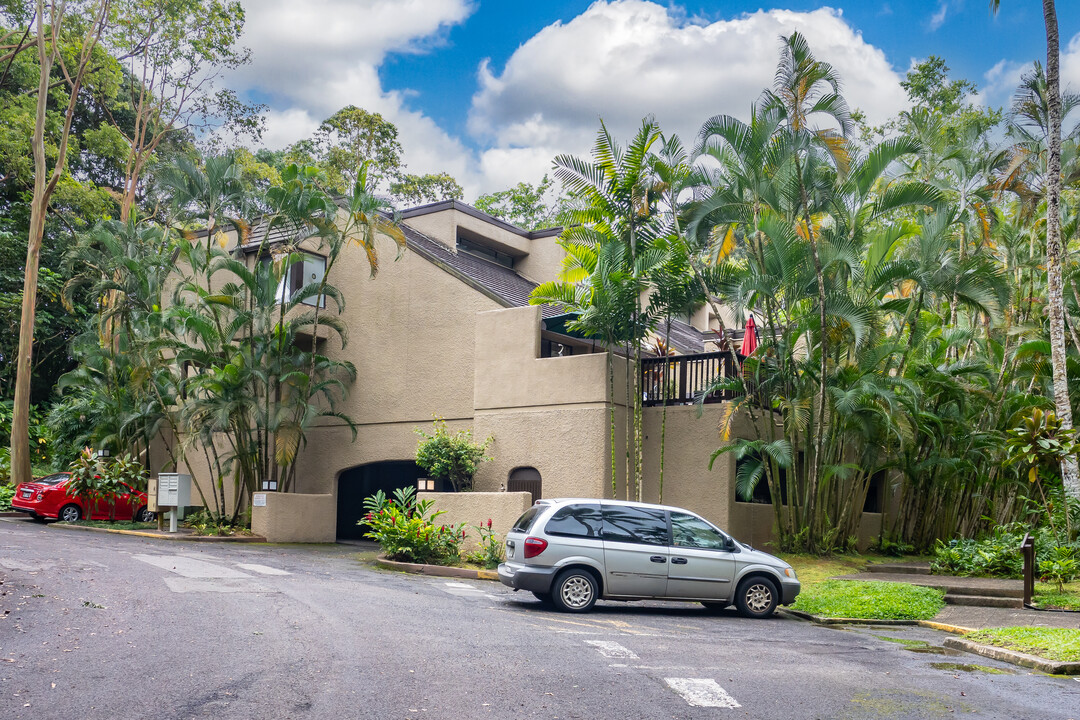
[534, 546]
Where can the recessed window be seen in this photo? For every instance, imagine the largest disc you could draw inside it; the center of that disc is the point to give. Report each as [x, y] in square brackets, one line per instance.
[550, 348]
[484, 252]
[310, 270]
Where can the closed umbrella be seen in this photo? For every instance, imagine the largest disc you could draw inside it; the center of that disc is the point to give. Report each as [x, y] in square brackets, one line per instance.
[749, 341]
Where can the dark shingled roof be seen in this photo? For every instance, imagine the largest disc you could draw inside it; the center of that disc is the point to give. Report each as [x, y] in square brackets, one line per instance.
[500, 283]
[509, 289]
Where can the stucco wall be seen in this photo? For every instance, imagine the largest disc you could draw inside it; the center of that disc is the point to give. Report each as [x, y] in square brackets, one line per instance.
[688, 482]
[292, 517]
[509, 372]
[546, 413]
[476, 508]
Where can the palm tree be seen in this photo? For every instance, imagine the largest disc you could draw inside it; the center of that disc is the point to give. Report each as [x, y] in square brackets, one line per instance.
[1070, 472]
[803, 89]
[618, 206]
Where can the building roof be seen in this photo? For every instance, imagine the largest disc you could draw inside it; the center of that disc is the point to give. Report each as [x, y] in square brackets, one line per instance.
[479, 214]
[510, 289]
[498, 282]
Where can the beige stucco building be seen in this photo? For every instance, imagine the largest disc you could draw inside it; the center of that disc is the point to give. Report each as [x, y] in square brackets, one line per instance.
[446, 331]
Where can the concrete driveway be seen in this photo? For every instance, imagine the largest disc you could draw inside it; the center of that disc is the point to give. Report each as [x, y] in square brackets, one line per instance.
[107, 626]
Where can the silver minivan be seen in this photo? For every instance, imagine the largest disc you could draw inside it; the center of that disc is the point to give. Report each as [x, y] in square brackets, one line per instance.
[570, 552]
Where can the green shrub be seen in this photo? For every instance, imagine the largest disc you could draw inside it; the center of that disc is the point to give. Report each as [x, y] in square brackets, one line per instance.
[999, 554]
[6, 493]
[406, 531]
[870, 600]
[454, 457]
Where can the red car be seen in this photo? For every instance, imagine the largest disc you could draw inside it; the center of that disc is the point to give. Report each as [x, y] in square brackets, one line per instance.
[48, 497]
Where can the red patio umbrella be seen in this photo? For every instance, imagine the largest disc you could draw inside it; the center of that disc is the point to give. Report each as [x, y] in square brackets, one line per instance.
[749, 341]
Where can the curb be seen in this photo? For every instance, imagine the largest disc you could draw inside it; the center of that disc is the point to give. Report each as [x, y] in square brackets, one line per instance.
[435, 570]
[13, 513]
[845, 621]
[1016, 658]
[177, 537]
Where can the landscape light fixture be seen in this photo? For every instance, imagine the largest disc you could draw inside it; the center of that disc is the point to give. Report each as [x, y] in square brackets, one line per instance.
[103, 453]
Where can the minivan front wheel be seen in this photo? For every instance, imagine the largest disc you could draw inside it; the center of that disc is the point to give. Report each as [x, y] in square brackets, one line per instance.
[574, 591]
[756, 597]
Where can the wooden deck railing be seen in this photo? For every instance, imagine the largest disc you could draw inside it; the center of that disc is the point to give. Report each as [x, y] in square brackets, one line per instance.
[686, 378]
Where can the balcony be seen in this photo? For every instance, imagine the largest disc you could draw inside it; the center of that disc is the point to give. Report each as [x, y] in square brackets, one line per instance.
[687, 377]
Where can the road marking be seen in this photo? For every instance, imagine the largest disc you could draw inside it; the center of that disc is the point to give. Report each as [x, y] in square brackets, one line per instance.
[460, 585]
[701, 692]
[190, 567]
[611, 649]
[262, 569]
[216, 585]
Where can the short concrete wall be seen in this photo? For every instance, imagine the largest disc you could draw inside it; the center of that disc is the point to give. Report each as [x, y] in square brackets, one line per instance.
[474, 508]
[295, 518]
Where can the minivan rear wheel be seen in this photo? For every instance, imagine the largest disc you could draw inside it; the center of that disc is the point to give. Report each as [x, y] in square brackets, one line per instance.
[756, 597]
[574, 591]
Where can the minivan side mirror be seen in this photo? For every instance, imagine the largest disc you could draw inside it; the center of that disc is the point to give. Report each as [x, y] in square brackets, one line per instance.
[730, 545]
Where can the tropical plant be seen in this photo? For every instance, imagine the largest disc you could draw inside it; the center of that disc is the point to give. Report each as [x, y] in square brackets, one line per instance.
[405, 529]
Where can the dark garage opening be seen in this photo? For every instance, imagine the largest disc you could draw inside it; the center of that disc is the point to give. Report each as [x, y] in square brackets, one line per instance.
[358, 483]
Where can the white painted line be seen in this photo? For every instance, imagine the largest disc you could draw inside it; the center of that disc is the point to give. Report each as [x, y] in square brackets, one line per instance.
[701, 692]
[218, 585]
[460, 585]
[612, 649]
[189, 567]
[262, 569]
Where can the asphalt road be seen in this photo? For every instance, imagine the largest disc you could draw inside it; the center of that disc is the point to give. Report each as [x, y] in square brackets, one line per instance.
[109, 626]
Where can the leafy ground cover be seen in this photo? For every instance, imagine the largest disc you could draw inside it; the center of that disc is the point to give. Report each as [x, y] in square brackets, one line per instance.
[1058, 644]
[870, 600]
[1047, 596]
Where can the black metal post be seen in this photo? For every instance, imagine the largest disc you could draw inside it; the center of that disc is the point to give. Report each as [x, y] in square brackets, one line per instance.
[1027, 547]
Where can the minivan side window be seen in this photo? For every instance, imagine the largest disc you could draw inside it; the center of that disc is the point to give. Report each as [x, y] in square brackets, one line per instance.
[635, 525]
[575, 521]
[525, 522]
[690, 531]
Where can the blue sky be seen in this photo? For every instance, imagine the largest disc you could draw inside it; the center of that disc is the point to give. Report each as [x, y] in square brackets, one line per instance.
[490, 90]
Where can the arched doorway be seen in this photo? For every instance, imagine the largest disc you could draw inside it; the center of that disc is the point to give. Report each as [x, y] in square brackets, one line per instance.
[358, 483]
[526, 479]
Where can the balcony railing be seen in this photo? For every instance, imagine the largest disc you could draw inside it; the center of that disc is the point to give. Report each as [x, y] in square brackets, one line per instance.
[686, 377]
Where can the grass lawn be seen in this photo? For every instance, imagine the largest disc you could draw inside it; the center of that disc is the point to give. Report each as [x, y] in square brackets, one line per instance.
[870, 600]
[1058, 644]
[1047, 596]
[813, 569]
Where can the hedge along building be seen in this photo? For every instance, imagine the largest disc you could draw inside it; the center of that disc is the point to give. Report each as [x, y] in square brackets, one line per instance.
[447, 331]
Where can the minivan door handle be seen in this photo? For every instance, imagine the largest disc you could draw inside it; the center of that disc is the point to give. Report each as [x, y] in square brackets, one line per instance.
[678, 561]
[658, 558]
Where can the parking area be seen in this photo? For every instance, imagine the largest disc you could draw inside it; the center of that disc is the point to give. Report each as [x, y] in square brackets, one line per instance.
[108, 626]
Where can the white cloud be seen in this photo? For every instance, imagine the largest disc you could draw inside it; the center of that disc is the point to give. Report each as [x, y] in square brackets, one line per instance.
[624, 59]
[619, 59]
[1004, 77]
[938, 18]
[309, 59]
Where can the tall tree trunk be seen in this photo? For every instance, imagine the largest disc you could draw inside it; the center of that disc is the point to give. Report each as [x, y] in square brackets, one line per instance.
[44, 184]
[1069, 472]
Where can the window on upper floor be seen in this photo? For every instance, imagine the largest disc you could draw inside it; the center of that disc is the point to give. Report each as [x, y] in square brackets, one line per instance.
[484, 252]
[550, 348]
[310, 270]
